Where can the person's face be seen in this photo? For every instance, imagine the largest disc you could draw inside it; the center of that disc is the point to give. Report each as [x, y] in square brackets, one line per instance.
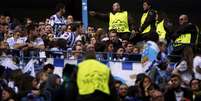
[162, 48]
[48, 29]
[69, 29]
[136, 50]
[16, 35]
[79, 43]
[5, 95]
[175, 82]
[50, 71]
[7, 19]
[183, 19]
[34, 83]
[116, 7]
[90, 30]
[124, 43]
[113, 37]
[146, 82]
[117, 85]
[78, 49]
[63, 28]
[195, 85]
[123, 90]
[146, 6]
[44, 76]
[93, 40]
[80, 29]
[6, 29]
[70, 19]
[120, 51]
[47, 21]
[90, 47]
[2, 19]
[110, 48]
[130, 48]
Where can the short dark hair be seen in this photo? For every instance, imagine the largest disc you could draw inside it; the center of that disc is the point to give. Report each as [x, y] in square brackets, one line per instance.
[60, 6]
[193, 80]
[175, 75]
[76, 25]
[45, 68]
[68, 69]
[112, 31]
[90, 55]
[148, 2]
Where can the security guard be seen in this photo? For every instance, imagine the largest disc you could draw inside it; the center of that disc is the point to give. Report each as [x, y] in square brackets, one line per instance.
[147, 30]
[119, 20]
[93, 82]
[163, 27]
[185, 35]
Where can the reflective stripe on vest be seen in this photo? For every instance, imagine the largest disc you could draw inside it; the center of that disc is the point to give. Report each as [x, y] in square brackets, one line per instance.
[144, 16]
[161, 30]
[119, 21]
[92, 75]
[183, 39]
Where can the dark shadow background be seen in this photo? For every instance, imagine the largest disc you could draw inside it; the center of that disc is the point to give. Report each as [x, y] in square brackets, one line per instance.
[40, 9]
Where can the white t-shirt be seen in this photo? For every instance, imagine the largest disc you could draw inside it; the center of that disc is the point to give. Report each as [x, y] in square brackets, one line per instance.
[179, 95]
[185, 74]
[197, 63]
[11, 42]
[21, 40]
[38, 41]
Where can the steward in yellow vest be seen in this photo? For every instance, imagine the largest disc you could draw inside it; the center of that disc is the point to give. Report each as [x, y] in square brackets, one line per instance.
[185, 35]
[163, 27]
[147, 30]
[118, 20]
[93, 81]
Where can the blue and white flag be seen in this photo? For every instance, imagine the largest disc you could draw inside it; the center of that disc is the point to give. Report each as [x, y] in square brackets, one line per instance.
[30, 67]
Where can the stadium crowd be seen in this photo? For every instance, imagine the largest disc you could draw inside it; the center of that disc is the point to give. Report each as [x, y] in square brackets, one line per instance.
[62, 37]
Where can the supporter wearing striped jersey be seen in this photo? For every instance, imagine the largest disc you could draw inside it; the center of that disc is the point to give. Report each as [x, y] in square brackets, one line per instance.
[57, 20]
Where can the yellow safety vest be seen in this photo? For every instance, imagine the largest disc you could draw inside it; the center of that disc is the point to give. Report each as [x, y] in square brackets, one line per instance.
[183, 39]
[161, 30]
[144, 16]
[119, 21]
[92, 75]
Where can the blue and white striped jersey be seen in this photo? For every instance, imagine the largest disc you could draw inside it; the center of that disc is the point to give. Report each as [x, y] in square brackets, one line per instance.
[70, 37]
[56, 22]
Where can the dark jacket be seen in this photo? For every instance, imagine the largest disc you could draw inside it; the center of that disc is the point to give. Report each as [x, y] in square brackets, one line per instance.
[187, 28]
[150, 20]
[170, 95]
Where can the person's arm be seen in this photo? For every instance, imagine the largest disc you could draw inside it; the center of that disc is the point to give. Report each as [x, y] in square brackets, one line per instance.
[189, 28]
[151, 18]
[39, 47]
[104, 16]
[19, 46]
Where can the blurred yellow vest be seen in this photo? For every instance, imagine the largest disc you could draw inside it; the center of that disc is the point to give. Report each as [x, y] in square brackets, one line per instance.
[93, 75]
[119, 21]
